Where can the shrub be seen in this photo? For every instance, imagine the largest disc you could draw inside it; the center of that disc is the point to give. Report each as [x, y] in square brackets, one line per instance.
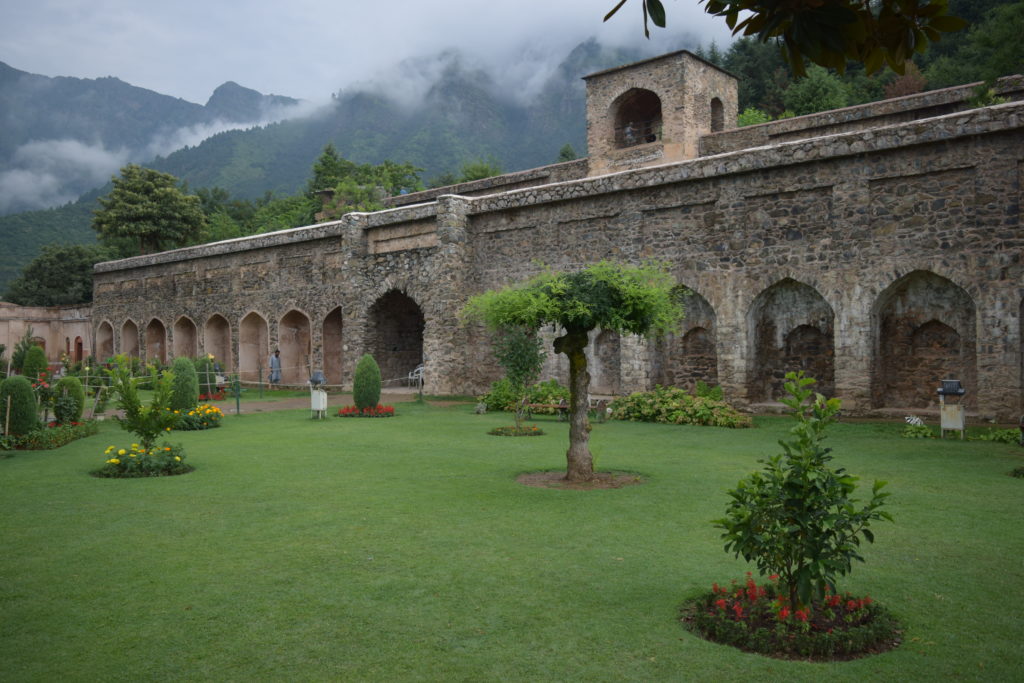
[137, 461]
[1011, 436]
[185, 387]
[69, 401]
[35, 362]
[917, 431]
[503, 397]
[54, 436]
[23, 417]
[366, 383]
[200, 417]
[206, 375]
[519, 352]
[672, 405]
[146, 422]
[797, 518]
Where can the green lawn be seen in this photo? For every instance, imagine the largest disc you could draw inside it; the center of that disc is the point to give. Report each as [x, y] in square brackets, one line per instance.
[403, 549]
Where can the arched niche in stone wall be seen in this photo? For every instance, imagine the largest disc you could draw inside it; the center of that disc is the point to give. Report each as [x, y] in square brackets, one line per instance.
[689, 356]
[156, 341]
[293, 340]
[604, 363]
[130, 339]
[637, 117]
[924, 332]
[253, 348]
[79, 350]
[790, 328]
[104, 341]
[217, 341]
[394, 332]
[1020, 377]
[333, 347]
[717, 115]
[186, 341]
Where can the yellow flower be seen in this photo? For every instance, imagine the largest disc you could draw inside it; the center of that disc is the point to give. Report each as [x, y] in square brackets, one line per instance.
[109, 450]
[168, 429]
[114, 461]
[178, 458]
[135, 445]
[122, 452]
[176, 412]
[131, 455]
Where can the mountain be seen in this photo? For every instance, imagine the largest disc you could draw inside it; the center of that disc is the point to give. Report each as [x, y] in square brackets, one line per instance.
[460, 113]
[65, 136]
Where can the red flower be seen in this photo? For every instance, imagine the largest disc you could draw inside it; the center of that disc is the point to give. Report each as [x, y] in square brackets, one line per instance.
[851, 605]
[721, 603]
[738, 609]
[801, 614]
[774, 577]
[714, 588]
[783, 613]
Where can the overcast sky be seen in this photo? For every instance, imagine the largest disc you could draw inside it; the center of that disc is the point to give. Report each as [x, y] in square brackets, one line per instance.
[306, 48]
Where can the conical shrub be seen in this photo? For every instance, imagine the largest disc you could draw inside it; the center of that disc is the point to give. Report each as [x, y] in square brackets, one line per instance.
[22, 414]
[366, 383]
[185, 386]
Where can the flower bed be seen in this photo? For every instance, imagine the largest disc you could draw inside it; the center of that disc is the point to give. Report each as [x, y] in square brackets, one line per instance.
[126, 463]
[378, 411]
[759, 618]
[54, 435]
[511, 430]
[200, 417]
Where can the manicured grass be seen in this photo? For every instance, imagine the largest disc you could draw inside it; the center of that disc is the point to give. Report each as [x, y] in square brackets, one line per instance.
[403, 549]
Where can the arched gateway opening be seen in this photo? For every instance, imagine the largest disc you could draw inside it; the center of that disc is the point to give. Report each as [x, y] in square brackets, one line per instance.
[156, 342]
[395, 335]
[185, 338]
[130, 339]
[333, 351]
[104, 341]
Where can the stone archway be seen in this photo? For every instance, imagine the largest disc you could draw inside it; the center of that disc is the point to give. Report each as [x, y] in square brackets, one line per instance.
[395, 334]
[637, 116]
[217, 341]
[790, 326]
[104, 341]
[156, 342]
[253, 348]
[684, 359]
[185, 338]
[924, 328]
[293, 340]
[130, 339]
[333, 347]
[605, 363]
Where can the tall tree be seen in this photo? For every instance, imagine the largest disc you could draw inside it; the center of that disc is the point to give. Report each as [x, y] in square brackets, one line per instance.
[61, 275]
[626, 299]
[147, 209]
[817, 91]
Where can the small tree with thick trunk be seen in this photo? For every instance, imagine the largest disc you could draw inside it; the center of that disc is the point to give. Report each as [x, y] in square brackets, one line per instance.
[640, 300]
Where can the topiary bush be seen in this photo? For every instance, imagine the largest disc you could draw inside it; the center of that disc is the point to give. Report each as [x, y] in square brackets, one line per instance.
[206, 374]
[35, 363]
[69, 399]
[185, 387]
[366, 383]
[22, 416]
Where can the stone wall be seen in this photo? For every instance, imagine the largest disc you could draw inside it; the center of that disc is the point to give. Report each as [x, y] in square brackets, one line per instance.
[881, 260]
[61, 330]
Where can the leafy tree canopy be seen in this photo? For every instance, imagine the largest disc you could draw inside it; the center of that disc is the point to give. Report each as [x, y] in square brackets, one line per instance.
[830, 32]
[61, 275]
[640, 300]
[818, 91]
[147, 209]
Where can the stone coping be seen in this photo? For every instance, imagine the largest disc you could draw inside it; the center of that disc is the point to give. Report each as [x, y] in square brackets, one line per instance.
[981, 121]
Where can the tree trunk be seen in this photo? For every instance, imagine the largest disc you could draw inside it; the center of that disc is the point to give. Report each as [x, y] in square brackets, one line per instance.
[579, 462]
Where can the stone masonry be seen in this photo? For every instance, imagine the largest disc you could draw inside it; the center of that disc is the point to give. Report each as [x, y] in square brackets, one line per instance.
[879, 248]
